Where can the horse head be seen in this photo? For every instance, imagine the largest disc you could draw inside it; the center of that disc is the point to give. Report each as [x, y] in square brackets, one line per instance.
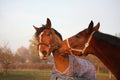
[48, 41]
[82, 39]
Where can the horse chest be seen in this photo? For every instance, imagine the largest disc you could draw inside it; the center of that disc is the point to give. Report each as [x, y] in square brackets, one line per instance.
[78, 69]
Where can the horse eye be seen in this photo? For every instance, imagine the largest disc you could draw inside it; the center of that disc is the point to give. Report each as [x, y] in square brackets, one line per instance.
[77, 36]
[58, 46]
[48, 34]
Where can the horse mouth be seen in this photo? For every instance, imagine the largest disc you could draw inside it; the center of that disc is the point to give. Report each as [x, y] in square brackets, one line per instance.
[45, 58]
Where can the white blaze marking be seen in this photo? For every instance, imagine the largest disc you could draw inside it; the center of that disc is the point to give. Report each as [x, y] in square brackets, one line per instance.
[40, 53]
[40, 40]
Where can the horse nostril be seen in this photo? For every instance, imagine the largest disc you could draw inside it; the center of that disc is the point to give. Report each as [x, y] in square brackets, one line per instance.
[44, 53]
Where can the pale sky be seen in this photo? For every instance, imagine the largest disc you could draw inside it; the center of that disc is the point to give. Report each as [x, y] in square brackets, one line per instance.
[67, 16]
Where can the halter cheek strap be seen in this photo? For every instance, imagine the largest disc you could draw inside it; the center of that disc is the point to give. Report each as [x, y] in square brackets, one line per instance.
[82, 51]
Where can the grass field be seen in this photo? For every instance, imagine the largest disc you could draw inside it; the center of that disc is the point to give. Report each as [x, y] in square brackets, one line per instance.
[26, 75]
[104, 76]
[37, 75]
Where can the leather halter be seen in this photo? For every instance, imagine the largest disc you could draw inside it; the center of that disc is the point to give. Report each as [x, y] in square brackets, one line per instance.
[48, 45]
[42, 43]
[82, 51]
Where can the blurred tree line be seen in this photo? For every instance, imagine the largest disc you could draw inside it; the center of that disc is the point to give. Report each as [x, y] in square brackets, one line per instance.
[22, 55]
[22, 58]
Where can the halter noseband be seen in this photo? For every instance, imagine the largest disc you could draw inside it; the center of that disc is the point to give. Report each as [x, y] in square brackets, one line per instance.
[42, 43]
[82, 51]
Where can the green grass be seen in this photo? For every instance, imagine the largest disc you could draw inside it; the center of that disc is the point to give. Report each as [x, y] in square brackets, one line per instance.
[37, 75]
[26, 75]
[104, 76]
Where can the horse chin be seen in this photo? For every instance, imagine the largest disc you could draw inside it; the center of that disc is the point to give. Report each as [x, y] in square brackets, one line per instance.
[44, 58]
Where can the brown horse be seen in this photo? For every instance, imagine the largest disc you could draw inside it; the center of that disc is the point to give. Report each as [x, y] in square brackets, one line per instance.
[66, 67]
[91, 41]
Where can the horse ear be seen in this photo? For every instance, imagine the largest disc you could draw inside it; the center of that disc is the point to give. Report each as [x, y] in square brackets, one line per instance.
[48, 23]
[90, 27]
[96, 28]
[35, 28]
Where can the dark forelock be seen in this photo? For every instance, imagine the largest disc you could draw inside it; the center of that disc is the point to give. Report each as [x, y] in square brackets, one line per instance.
[44, 27]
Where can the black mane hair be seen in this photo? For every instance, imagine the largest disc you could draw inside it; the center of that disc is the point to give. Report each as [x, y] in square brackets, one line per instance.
[44, 27]
[108, 38]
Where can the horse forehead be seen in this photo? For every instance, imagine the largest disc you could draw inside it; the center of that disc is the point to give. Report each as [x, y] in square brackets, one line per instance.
[47, 31]
[40, 35]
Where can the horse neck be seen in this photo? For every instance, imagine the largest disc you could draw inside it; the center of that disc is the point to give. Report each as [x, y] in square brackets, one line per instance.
[104, 48]
[61, 61]
[108, 54]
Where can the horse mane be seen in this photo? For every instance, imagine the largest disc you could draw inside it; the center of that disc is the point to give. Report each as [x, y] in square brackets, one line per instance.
[44, 27]
[108, 38]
